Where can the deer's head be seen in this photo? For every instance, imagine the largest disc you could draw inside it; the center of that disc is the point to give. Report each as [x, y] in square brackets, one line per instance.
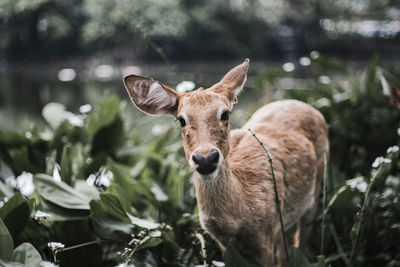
[203, 115]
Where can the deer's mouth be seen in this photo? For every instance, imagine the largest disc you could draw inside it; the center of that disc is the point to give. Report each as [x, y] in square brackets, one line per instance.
[209, 176]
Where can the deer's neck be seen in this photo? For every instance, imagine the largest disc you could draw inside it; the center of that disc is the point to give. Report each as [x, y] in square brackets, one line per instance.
[220, 195]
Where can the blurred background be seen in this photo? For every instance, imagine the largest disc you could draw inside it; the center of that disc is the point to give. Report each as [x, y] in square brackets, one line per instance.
[80, 167]
[73, 51]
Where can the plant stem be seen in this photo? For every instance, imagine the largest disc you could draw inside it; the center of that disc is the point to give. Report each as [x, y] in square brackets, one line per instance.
[203, 248]
[323, 205]
[339, 245]
[277, 201]
[144, 240]
[80, 245]
[360, 218]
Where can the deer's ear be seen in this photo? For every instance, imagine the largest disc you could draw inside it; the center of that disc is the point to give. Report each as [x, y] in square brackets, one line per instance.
[151, 96]
[232, 83]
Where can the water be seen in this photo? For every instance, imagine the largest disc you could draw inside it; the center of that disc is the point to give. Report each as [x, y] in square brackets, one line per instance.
[26, 90]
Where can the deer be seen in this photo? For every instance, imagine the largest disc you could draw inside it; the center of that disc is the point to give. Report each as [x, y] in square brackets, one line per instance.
[232, 177]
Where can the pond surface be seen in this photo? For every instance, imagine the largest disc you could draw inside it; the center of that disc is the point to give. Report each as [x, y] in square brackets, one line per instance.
[25, 90]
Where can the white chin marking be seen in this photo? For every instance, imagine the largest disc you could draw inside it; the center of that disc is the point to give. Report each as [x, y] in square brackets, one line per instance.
[210, 176]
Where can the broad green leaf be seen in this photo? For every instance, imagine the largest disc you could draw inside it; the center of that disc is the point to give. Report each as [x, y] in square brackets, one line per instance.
[21, 160]
[109, 138]
[103, 115]
[27, 255]
[232, 258]
[72, 163]
[4, 263]
[58, 213]
[60, 193]
[110, 204]
[121, 184]
[65, 165]
[9, 138]
[108, 226]
[15, 214]
[297, 258]
[5, 191]
[5, 171]
[89, 190]
[152, 242]
[149, 225]
[6, 242]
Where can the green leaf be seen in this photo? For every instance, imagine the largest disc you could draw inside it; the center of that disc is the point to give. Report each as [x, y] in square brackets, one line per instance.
[143, 223]
[65, 168]
[321, 262]
[297, 258]
[82, 187]
[9, 138]
[232, 258]
[103, 115]
[109, 138]
[60, 193]
[21, 160]
[108, 226]
[5, 191]
[111, 205]
[6, 242]
[121, 184]
[10, 264]
[27, 255]
[15, 214]
[58, 213]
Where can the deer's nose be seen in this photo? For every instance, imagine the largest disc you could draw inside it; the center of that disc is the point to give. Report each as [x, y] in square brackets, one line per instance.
[208, 164]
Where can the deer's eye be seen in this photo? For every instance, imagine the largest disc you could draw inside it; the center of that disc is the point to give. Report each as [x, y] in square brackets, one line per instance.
[225, 115]
[182, 121]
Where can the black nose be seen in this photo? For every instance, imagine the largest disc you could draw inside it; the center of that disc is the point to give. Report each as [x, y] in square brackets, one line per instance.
[208, 164]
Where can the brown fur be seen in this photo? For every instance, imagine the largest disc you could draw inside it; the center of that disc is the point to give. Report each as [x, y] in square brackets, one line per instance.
[237, 206]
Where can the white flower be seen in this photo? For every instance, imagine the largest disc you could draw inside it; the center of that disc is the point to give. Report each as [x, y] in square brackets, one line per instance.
[91, 179]
[379, 160]
[358, 183]
[185, 86]
[324, 79]
[55, 245]
[218, 263]
[124, 265]
[56, 173]
[105, 178]
[85, 108]
[25, 183]
[392, 149]
[398, 131]
[47, 264]
[41, 215]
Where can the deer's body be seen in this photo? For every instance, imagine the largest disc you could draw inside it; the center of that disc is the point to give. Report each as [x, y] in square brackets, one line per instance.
[244, 213]
[233, 179]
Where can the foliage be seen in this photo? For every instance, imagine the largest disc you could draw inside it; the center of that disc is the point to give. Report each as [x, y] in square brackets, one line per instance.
[95, 189]
[85, 191]
[45, 29]
[361, 213]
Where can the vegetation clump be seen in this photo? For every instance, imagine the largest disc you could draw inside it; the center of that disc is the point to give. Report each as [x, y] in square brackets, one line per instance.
[85, 191]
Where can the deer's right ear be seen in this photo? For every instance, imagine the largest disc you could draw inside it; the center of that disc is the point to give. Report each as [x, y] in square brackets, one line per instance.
[151, 96]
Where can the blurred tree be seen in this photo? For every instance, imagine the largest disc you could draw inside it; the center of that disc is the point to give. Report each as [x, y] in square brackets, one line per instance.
[40, 29]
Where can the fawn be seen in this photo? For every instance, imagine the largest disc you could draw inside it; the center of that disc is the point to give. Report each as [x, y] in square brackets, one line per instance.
[232, 176]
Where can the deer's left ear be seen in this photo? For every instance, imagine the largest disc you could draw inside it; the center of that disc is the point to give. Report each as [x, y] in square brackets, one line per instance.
[151, 96]
[232, 83]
